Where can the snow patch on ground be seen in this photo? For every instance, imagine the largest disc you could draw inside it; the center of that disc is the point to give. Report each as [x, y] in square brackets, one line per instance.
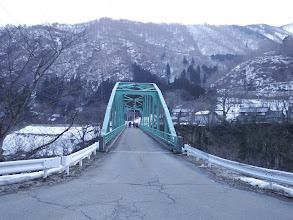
[266, 185]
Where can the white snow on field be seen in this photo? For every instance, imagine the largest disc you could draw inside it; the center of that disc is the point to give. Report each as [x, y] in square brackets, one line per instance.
[265, 185]
[33, 136]
[234, 104]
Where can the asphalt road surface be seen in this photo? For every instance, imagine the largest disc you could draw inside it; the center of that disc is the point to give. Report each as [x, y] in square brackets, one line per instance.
[139, 179]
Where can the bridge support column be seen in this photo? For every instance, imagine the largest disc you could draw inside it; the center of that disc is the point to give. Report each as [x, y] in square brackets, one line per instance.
[178, 148]
[101, 145]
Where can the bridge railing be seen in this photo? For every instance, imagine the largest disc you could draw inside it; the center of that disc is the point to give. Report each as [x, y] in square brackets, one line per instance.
[166, 137]
[108, 137]
[276, 176]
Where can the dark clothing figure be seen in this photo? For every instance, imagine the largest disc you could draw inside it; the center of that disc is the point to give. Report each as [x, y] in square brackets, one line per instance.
[136, 125]
[129, 124]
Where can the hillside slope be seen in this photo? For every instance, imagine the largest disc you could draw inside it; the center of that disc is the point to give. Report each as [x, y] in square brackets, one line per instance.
[269, 76]
[288, 27]
[109, 47]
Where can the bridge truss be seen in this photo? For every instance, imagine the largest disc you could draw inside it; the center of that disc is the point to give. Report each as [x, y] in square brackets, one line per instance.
[147, 99]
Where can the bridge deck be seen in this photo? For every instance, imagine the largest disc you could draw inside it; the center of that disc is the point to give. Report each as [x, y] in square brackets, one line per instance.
[139, 179]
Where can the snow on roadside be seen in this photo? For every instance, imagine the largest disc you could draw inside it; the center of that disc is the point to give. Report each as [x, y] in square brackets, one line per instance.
[266, 185]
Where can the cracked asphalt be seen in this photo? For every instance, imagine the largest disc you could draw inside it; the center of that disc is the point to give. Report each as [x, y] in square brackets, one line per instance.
[139, 179]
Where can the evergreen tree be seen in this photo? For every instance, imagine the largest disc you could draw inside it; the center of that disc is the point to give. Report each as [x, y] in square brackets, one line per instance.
[185, 61]
[197, 79]
[192, 61]
[190, 71]
[204, 80]
[194, 74]
[168, 70]
[183, 74]
[145, 76]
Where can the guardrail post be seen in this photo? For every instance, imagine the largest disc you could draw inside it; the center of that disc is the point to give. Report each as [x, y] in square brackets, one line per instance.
[271, 185]
[101, 141]
[178, 148]
[209, 164]
[45, 175]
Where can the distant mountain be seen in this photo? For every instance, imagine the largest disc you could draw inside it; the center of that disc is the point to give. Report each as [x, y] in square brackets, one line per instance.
[108, 47]
[269, 76]
[288, 27]
[234, 39]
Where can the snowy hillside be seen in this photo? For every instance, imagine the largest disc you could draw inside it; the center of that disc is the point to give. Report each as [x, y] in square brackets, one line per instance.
[273, 33]
[114, 45]
[233, 39]
[108, 47]
[288, 27]
[264, 76]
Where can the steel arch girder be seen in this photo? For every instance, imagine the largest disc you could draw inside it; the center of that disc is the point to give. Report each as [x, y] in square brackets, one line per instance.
[122, 92]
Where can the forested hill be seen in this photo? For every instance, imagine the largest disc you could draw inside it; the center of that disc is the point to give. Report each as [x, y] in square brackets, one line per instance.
[107, 48]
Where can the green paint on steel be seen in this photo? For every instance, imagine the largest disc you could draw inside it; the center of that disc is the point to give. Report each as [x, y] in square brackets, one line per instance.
[145, 98]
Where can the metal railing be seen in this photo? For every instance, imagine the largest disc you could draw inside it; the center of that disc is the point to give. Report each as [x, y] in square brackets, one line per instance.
[254, 171]
[108, 137]
[23, 170]
[78, 156]
[166, 137]
[14, 167]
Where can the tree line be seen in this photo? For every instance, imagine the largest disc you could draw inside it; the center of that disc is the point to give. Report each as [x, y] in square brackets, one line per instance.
[192, 79]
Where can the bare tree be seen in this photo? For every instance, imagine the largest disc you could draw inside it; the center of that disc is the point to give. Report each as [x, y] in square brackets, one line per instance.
[283, 105]
[26, 57]
[225, 102]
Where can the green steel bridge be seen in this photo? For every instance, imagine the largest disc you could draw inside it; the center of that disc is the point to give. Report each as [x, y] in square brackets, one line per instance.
[147, 99]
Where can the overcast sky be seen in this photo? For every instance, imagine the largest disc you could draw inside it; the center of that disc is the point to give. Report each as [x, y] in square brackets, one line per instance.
[30, 12]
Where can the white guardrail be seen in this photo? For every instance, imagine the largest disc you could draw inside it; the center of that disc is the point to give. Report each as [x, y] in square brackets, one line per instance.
[19, 166]
[78, 156]
[21, 170]
[258, 172]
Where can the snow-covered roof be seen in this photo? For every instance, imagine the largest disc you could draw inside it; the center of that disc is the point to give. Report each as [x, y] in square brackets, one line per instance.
[203, 113]
[254, 109]
[181, 110]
